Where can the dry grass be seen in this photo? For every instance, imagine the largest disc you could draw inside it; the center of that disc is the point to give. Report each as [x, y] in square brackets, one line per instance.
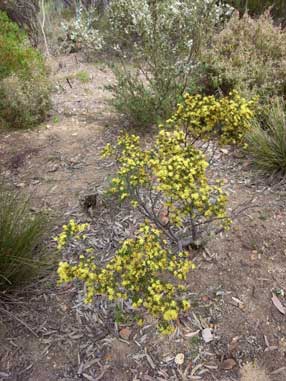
[251, 372]
[267, 144]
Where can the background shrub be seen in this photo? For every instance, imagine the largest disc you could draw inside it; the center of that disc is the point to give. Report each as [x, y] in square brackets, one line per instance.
[81, 33]
[25, 14]
[21, 239]
[133, 99]
[267, 143]
[23, 104]
[16, 56]
[24, 88]
[158, 44]
[257, 7]
[248, 55]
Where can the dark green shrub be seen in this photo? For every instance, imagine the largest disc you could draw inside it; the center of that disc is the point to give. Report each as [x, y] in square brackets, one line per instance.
[135, 100]
[21, 239]
[16, 56]
[25, 14]
[267, 143]
[24, 88]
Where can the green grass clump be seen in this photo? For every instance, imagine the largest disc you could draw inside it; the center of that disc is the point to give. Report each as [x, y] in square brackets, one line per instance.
[21, 240]
[82, 76]
[267, 142]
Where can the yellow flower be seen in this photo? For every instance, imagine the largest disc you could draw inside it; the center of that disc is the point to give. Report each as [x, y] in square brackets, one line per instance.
[186, 305]
[170, 315]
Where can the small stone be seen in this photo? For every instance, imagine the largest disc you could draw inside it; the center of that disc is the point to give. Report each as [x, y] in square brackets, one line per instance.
[207, 335]
[125, 333]
[180, 358]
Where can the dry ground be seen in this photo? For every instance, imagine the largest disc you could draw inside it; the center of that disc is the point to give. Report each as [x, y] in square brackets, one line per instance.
[50, 335]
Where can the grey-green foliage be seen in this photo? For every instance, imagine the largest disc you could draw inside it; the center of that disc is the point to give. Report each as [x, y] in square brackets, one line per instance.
[21, 239]
[83, 32]
[158, 44]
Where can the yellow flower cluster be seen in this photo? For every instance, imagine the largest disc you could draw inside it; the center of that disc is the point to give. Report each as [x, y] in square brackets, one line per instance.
[180, 171]
[72, 229]
[132, 161]
[142, 271]
[206, 117]
[174, 170]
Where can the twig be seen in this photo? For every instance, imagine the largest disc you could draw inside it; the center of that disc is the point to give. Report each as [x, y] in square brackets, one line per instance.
[43, 27]
[69, 82]
[19, 320]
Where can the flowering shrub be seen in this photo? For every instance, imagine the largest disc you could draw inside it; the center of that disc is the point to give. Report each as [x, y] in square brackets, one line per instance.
[72, 229]
[168, 183]
[162, 40]
[142, 271]
[226, 119]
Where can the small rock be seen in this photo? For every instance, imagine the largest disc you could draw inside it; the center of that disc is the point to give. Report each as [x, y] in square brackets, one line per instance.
[125, 333]
[207, 335]
[180, 358]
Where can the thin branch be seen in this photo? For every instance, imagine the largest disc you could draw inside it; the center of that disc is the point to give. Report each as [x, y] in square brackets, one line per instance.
[13, 316]
[43, 26]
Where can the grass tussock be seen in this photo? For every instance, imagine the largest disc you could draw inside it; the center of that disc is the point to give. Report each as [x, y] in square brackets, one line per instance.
[21, 240]
[251, 372]
[267, 141]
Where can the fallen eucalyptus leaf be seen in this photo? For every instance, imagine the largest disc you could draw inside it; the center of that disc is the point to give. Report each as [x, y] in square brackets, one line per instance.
[278, 304]
[228, 364]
